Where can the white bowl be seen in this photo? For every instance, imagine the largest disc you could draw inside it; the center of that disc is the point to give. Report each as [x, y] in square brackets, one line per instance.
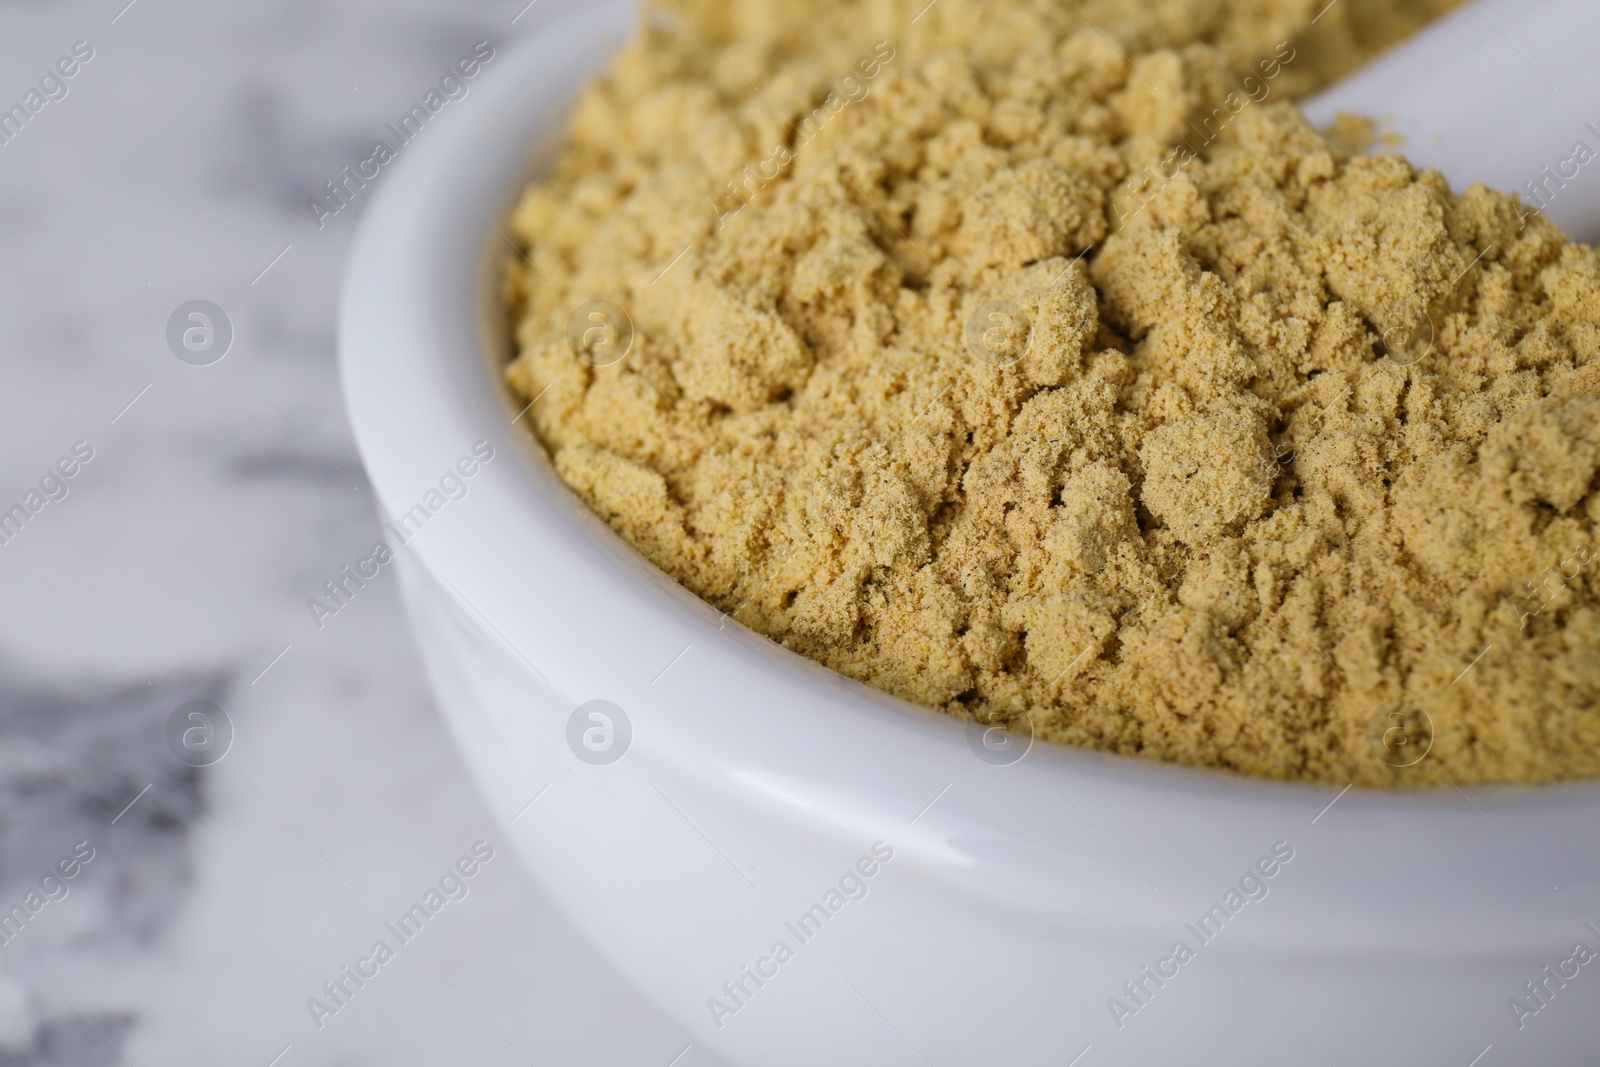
[1019, 898]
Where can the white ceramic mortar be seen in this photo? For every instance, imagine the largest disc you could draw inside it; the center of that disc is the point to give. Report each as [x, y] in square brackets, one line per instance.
[1020, 898]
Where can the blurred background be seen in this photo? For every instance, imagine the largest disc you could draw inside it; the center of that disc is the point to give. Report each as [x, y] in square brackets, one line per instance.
[222, 489]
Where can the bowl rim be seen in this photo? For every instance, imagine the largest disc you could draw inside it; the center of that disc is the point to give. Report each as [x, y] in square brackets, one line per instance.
[420, 287]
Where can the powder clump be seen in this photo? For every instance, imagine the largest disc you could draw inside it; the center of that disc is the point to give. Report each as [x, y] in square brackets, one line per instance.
[1208, 474]
[1038, 363]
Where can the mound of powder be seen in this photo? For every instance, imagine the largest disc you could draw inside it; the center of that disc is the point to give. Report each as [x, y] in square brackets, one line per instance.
[1037, 362]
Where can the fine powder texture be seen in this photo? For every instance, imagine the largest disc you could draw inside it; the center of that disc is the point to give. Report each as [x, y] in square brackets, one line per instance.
[1036, 362]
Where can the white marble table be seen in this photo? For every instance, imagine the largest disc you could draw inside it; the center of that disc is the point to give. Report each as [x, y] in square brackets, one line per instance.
[177, 166]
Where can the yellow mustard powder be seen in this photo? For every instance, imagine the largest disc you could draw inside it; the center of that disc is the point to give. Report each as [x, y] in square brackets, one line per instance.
[1036, 362]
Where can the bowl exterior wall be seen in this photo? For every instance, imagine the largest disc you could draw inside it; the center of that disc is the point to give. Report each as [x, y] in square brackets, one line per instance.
[640, 853]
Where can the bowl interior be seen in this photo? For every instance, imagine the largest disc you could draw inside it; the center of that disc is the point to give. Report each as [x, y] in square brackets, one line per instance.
[422, 343]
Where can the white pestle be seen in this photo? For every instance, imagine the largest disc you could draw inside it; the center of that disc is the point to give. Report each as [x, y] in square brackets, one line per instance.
[1503, 92]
